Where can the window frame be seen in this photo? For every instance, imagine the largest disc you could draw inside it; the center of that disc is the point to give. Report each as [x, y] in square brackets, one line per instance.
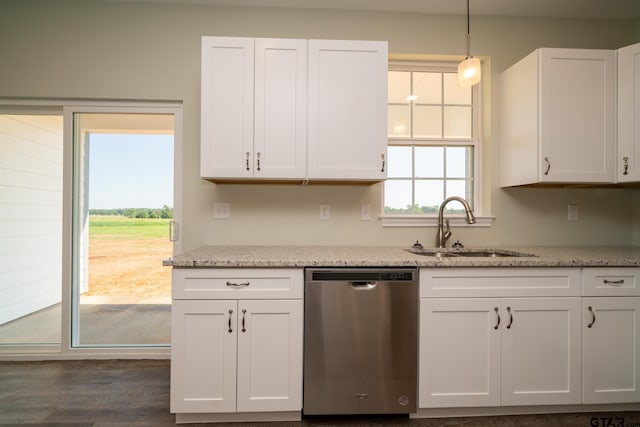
[428, 218]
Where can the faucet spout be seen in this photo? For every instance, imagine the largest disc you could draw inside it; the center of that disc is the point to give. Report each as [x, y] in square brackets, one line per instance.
[442, 236]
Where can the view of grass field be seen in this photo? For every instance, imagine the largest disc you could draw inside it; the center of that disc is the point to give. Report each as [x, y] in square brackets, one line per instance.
[125, 256]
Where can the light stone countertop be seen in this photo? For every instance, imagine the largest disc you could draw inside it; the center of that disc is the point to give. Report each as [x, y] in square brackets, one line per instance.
[393, 256]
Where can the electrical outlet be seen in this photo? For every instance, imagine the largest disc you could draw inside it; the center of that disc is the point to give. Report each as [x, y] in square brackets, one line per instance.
[222, 210]
[572, 212]
[365, 212]
[325, 211]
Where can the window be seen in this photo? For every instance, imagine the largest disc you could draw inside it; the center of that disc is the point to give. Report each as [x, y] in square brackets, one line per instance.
[434, 144]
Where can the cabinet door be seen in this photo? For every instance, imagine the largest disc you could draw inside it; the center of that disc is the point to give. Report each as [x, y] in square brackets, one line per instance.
[280, 141]
[203, 356]
[347, 109]
[628, 159]
[270, 355]
[459, 352]
[611, 350]
[541, 347]
[577, 115]
[226, 145]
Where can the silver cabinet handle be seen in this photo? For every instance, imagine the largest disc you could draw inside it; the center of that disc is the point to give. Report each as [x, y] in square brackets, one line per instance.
[625, 159]
[613, 282]
[244, 312]
[593, 317]
[238, 285]
[383, 162]
[510, 318]
[498, 317]
[230, 313]
[258, 156]
[546, 159]
[247, 160]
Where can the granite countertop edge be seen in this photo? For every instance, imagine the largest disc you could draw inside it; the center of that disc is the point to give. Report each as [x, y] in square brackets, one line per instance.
[394, 256]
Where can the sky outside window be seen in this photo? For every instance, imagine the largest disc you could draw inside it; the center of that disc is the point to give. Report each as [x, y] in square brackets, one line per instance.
[130, 171]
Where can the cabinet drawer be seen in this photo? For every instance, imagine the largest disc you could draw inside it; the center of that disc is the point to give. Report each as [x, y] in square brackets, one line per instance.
[499, 282]
[223, 283]
[611, 281]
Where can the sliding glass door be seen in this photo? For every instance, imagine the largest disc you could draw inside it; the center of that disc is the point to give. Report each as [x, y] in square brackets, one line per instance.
[122, 215]
[31, 197]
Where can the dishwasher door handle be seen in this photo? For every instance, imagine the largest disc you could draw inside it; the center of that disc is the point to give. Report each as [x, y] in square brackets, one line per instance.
[362, 284]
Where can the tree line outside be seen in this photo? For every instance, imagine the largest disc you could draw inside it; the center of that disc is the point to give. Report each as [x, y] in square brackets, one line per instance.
[411, 209]
[165, 212]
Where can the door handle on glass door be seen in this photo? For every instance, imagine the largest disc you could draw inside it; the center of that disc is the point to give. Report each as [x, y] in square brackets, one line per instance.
[173, 231]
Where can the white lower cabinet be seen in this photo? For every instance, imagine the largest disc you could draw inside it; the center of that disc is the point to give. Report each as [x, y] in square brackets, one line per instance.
[494, 351]
[518, 350]
[611, 350]
[459, 349]
[611, 335]
[235, 356]
[541, 349]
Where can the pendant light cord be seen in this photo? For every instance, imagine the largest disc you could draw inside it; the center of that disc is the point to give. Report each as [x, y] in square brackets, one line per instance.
[468, 32]
[468, 27]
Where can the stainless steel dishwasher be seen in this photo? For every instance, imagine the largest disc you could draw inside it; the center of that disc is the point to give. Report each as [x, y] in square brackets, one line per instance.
[360, 341]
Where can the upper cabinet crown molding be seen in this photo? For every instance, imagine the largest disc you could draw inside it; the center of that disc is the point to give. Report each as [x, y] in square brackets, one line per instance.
[557, 118]
[292, 109]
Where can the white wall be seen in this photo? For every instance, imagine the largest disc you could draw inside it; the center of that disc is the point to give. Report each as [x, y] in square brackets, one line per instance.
[94, 49]
[30, 214]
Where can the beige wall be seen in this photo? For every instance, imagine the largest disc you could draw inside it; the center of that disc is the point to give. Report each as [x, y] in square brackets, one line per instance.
[94, 49]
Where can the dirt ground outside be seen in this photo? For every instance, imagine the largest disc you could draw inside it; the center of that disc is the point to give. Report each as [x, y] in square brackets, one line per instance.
[129, 267]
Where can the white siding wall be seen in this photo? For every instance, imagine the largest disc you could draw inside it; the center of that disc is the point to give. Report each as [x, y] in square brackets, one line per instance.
[30, 214]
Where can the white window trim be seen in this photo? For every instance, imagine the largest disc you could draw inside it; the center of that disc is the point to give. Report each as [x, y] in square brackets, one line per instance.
[431, 219]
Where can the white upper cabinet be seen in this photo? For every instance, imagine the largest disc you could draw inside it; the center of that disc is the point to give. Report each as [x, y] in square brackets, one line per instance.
[557, 118]
[253, 108]
[347, 109]
[226, 107]
[289, 109]
[628, 159]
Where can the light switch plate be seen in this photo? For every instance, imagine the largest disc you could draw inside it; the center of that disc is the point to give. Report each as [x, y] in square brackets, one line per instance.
[325, 211]
[365, 212]
[222, 210]
[572, 212]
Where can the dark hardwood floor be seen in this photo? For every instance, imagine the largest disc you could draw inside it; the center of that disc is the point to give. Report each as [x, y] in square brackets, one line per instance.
[135, 393]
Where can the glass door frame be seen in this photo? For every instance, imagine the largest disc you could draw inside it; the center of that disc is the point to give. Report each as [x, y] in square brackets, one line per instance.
[69, 108]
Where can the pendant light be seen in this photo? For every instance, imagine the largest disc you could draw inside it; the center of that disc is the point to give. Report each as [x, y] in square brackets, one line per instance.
[469, 70]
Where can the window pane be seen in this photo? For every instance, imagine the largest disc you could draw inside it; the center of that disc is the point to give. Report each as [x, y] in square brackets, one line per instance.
[457, 188]
[31, 221]
[454, 94]
[457, 122]
[117, 282]
[399, 162]
[399, 120]
[399, 86]
[429, 194]
[397, 196]
[428, 88]
[459, 162]
[429, 162]
[427, 122]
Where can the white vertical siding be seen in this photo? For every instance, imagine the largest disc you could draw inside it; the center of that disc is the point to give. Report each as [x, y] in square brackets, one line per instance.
[30, 214]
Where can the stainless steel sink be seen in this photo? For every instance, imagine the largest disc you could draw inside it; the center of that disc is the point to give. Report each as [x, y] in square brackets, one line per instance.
[479, 253]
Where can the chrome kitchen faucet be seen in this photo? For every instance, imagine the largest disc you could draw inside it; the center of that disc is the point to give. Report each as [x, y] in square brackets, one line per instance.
[443, 236]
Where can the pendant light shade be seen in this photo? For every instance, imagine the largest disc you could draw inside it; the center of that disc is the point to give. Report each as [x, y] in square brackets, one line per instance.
[469, 70]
